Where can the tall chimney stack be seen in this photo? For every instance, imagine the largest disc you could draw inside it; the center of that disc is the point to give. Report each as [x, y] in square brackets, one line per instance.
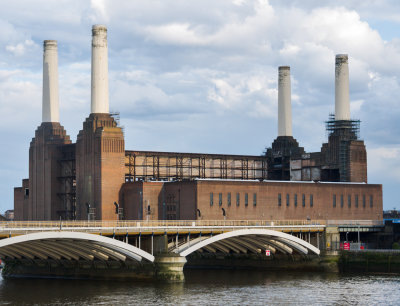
[342, 99]
[284, 102]
[50, 107]
[99, 70]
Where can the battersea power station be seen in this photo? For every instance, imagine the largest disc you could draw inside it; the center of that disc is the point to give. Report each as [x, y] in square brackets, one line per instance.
[96, 178]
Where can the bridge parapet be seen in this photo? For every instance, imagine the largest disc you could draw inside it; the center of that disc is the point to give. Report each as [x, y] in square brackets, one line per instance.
[8, 229]
[158, 223]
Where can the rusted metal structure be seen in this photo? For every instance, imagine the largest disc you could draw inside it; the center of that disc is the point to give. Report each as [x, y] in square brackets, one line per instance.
[167, 166]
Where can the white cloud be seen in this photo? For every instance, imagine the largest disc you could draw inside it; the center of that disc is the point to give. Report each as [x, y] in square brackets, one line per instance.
[355, 106]
[206, 68]
[21, 48]
[384, 162]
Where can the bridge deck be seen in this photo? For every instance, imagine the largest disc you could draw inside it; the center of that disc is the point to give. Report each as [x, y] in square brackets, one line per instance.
[8, 229]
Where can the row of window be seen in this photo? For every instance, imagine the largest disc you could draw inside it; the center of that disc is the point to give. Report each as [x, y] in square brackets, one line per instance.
[303, 200]
[311, 202]
[229, 199]
[371, 200]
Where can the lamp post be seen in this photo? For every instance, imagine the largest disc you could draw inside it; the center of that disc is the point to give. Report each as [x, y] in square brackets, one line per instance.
[116, 210]
[88, 210]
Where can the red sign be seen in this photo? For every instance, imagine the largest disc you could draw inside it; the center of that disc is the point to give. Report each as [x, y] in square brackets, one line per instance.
[346, 246]
[267, 252]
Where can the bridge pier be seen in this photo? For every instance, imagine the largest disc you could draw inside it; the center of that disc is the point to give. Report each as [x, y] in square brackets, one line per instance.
[332, 238]
[169, 267]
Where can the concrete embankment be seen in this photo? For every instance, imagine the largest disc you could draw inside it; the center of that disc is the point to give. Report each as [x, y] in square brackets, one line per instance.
[370, 261]
[14, 269]
[169, 268]
[259, 261]
[344, 261]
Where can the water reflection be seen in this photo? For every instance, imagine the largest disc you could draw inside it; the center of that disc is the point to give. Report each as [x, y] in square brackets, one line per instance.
[205, 287]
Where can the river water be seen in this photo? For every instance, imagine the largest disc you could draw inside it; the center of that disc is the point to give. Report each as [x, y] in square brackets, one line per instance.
[211, 287]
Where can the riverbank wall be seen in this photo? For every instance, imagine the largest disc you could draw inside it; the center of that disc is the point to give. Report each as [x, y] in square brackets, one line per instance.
[370, 261]
[169, 268]
[376, 261]
[306, 263]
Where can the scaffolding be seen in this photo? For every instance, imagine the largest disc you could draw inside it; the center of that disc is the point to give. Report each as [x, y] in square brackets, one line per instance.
[67, 179]
[348, 128]
[340, 134]
[116, 116]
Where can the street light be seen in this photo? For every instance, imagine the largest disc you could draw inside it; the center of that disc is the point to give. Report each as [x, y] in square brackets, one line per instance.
[88, 210]
[116, 210]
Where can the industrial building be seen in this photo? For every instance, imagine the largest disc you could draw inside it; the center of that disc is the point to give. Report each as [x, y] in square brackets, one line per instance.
[97, 179]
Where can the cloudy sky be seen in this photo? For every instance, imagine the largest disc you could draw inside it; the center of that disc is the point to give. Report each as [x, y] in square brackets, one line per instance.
[201, 75]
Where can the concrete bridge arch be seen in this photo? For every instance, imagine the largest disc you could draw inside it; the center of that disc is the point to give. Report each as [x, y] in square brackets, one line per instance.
[70, 246]
[247, 240]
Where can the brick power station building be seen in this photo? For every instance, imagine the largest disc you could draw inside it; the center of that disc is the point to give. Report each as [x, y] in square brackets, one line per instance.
[97, 179]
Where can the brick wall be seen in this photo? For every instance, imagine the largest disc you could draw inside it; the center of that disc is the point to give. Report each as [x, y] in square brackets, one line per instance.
[100, 168]
[208, 199]
[267, 200]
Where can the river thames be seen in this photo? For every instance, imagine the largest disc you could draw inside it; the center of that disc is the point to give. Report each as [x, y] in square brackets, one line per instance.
[211, 287]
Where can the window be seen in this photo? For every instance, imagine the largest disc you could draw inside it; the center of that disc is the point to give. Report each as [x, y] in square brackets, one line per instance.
[341, 200]
[287, 200]
[254, 199]
[334, 200]
[279, 199]
[356, 200]
[237, 199]
[26, 192]
[364, 200]
[220, 199]
[349, 200]
[211, 199]
[371, 202]
[229, 199]
[303, 200]
[311, 200]
[246, 199]
[295, 200]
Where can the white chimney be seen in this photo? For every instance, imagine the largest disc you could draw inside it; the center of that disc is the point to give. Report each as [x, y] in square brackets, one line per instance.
[50, 107]
[342, 99]
[99, 70]
[284, 102]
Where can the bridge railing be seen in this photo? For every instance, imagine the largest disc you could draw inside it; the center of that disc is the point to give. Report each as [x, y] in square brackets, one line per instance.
[355, 222]
[157, 223]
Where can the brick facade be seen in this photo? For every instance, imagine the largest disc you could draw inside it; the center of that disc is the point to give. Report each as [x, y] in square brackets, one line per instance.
[253, 200]
[100, 169]
[44, 168]
[21, 201]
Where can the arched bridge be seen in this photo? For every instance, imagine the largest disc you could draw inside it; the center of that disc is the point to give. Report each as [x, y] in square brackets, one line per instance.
[138, 248]
[76, 246]
[69, 246]
[247, 241]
